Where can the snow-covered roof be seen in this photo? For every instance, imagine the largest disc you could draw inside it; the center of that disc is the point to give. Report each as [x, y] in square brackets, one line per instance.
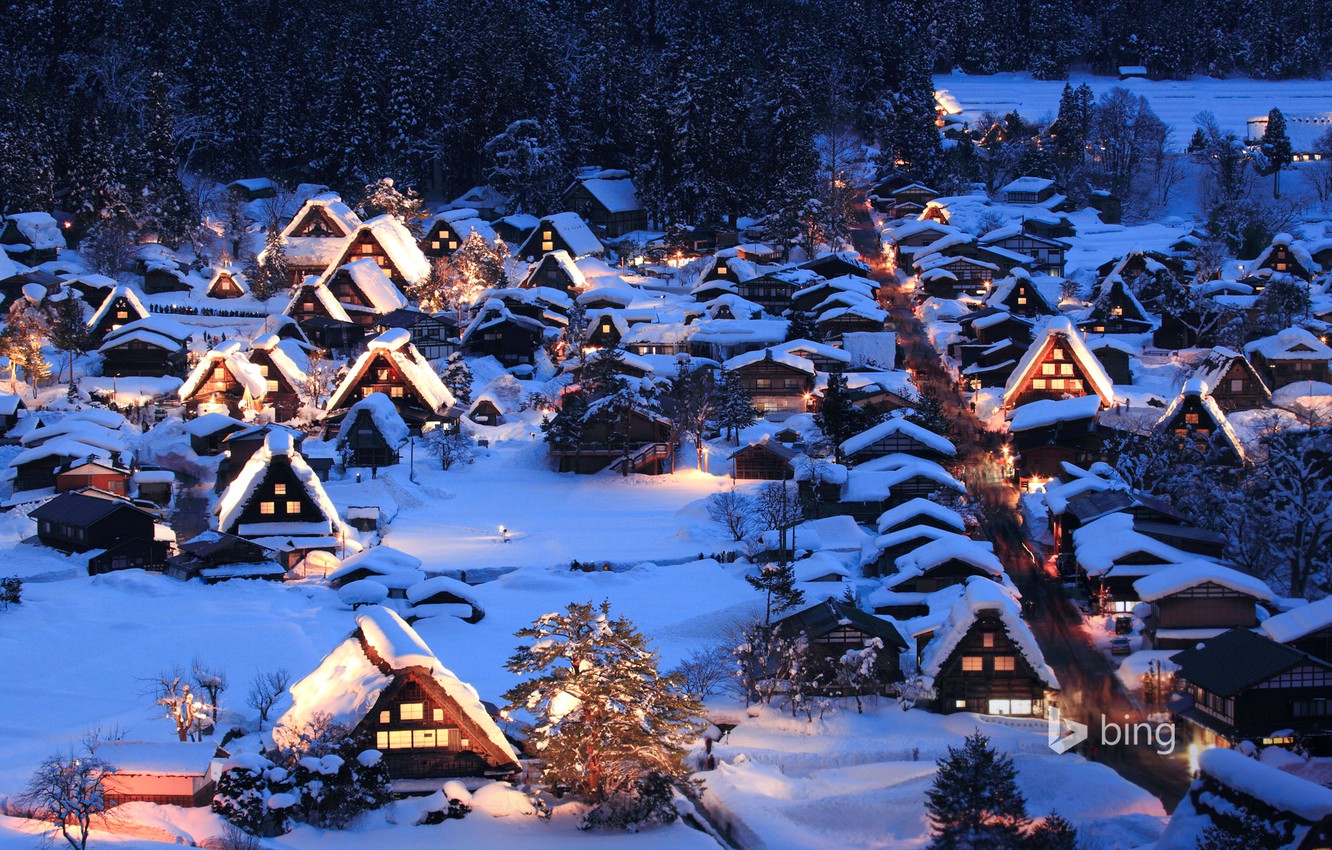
[1047, 412]
[368, 278]
[234, 274]
[382, 412]
[40, 229]
[1060, 328]
[874, 486]
[1212, 370]
[382, 561]
[147, 337]
[795, 361]
[873, 548]
[1027, 184]
[424, 590]
[574, 232]
[346, 684]
[1299, 622]
[871, 348]
[1297, 251]
[918, 507]
[1195, 388]
[278, 443]
[333, 206]
[65, 447]
[397, 346]
[982, 595]
[1181, 577]
[1283, 791]
[1290, 344]
[210, 423]
[110, 300]
[952, 547]
[400, 246]
[158, 758]
[324, 296]
[1102, 542]
[899, 427]
[231, 355]
[160, 325]
[616, 195]
[288, 356]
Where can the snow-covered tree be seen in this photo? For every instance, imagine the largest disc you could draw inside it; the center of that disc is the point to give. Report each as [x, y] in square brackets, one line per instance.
[245, 796]
[68, 331]
[164, 206]
[386, 197]
[691, 403]
[451, 446]
[270, 273]
[526, 163]
[735, 409]
[777, 584]
[838, 418]
[26, 330]
[457, 376]
[607, 725]
[564, 431]
[857, 671]
[181, 702]
[1276, 148]
[68, 792]
[1245, 832]
[927, 412]
[974, 802]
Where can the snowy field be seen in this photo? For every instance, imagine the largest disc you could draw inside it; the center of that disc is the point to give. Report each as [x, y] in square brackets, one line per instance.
[1175, 101]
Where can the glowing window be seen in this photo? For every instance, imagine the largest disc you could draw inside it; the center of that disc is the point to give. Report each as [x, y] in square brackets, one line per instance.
[411, 711]
[400, 739]
[279, 489]
[972, 664]
[1038, 384]
[1066, 368]
[1057, 354]
[1004, 663]
[272, 386]
[385, 716]
[987, 639]
[1056, 383]
[267, 508]
[1047, 368]
[439, 715]
[293, 507]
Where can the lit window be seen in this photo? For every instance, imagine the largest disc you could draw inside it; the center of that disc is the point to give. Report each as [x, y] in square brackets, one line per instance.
[272, 386]
[1022, 301]
[395, 392]
[293, 507]
[1056, 383]
[987, 639]
[1057, 354]
[384, 717]
[464, 743]
[1066, 368]
[453, 245]
[279, 489]
[1047, 368]
[423, 738]
[1237, 385]
[763, 383]
[400, 739]
[1038, 384]
[122, 314]
[1004, 663]
[547, 235]
[1190, 419]
[972, 664]
[434, 245]
[547, 246]
[439, 715]
[411, 711]
[267, 508]
[381, 740]
[961, 703]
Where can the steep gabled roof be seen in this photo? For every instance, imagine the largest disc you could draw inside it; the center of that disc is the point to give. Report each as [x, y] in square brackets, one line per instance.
[1181, 577]
[396, 345]
[278, 444]
[983, 595]
[832, 614]
[111, 297]
[1194, 388]
[229, 354]
[234, 274]
[333, 207]
[1214, 367]
[1238, 659]
[371, 281]
[323, 295]
[896, 427]
[1059, 328]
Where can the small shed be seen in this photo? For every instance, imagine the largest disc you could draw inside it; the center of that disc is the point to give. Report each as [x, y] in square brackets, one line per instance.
[171, 774]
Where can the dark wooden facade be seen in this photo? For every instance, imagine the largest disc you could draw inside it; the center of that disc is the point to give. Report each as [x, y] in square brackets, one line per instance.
[279, 498]
[121, 312]
[219, 387]
[648, 438]
[364, 445]
[283, 396]
[132, 356]
[833, 628]
[765, 461]
[776, 387]
[512, 340]
[612, 223]
[1208, 605]
[78, 522]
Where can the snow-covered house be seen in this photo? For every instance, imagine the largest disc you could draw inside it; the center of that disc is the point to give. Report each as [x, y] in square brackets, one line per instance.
[445, 232]
[120, 307]
[1199, 600]
[102, 473]
[879, 556]
[564, 231]
[387, 684]
[1246, 686]
[283, 365]
[121, 534]
[174, 774]
[895, 436]
[834, 627]
[1027, 190]
[608, 201]
[1020, 296]
[372, 433]
[765, 460]
[777, 383]
[33, 237]
[1057, 365]
[278, 501]
[1285, 256]
[1116, 310]
[499, 332]
[487, 409]
[324, 321]
[224, 381]
[1232, 382]
[557, 270]
[1049, 433]
[983, 658]
[1046, 253]
[391, 365]
[317, 235]
[386, 241]
[151, 346]
[207, 432]
[363, 290]
[226, 282]
[886, 482]
[1289, 356]
[443, 596]
[1196, 420]
[914, 512]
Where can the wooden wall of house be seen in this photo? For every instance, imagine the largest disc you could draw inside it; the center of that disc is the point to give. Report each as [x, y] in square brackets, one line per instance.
[1057, 375]
[945, 575]
[1208, 606]
[282, 489]
[987, 640]
[757, 463]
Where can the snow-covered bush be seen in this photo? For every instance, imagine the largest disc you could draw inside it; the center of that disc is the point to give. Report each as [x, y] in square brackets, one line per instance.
[247, 784]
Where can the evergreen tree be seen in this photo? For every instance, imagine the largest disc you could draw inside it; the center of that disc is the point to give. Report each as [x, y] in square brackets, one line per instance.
[1069, 135]
[385, 197]
[526, 163]
[974, 802]
[799, 325]
[793, 160]
[1053, 833]
[735, 408]
[927, 412]
[96, 186]
[269, 273]
[607, 724]
[838, 418]
[242, 795]
[458, 378]
[26, 331]
[777, 584]
[1054, 30]
[68, 331]
[165, 206]
[1276, 148]
[564, 431]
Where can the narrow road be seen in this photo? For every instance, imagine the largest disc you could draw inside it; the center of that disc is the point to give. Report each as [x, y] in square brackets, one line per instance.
[1089, 688]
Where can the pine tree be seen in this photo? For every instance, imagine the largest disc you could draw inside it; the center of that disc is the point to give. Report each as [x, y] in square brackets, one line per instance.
[735, 408]
[799, 325]
[927, 412]
[165, 205]
[974, 802]
[838, 418]
[242, 796]
[526, 163]
[1276, 148]
[68, 331]
[385, 197]
[1053, 833]
[564, 431]
[458, 378]
[607, 724]
[777, 584]
[268, 274]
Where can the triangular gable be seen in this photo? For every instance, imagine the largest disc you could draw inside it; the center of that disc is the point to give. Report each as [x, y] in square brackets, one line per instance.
[323, 216]
[1057, 345]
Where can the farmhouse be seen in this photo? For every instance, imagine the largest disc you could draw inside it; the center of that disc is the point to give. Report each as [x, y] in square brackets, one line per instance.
[1197, 601]
[1057, 365]
[224, 381]
[372, 433]
[608, 202]
[391, 365]
[385, 683]
[564, 231]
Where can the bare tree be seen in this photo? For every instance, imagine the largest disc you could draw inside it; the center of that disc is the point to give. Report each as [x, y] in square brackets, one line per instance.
[211, 683]
[778, 508]
[265, 690]
[69, 791]
[180, 702]
[731, 509]
[704, 671]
